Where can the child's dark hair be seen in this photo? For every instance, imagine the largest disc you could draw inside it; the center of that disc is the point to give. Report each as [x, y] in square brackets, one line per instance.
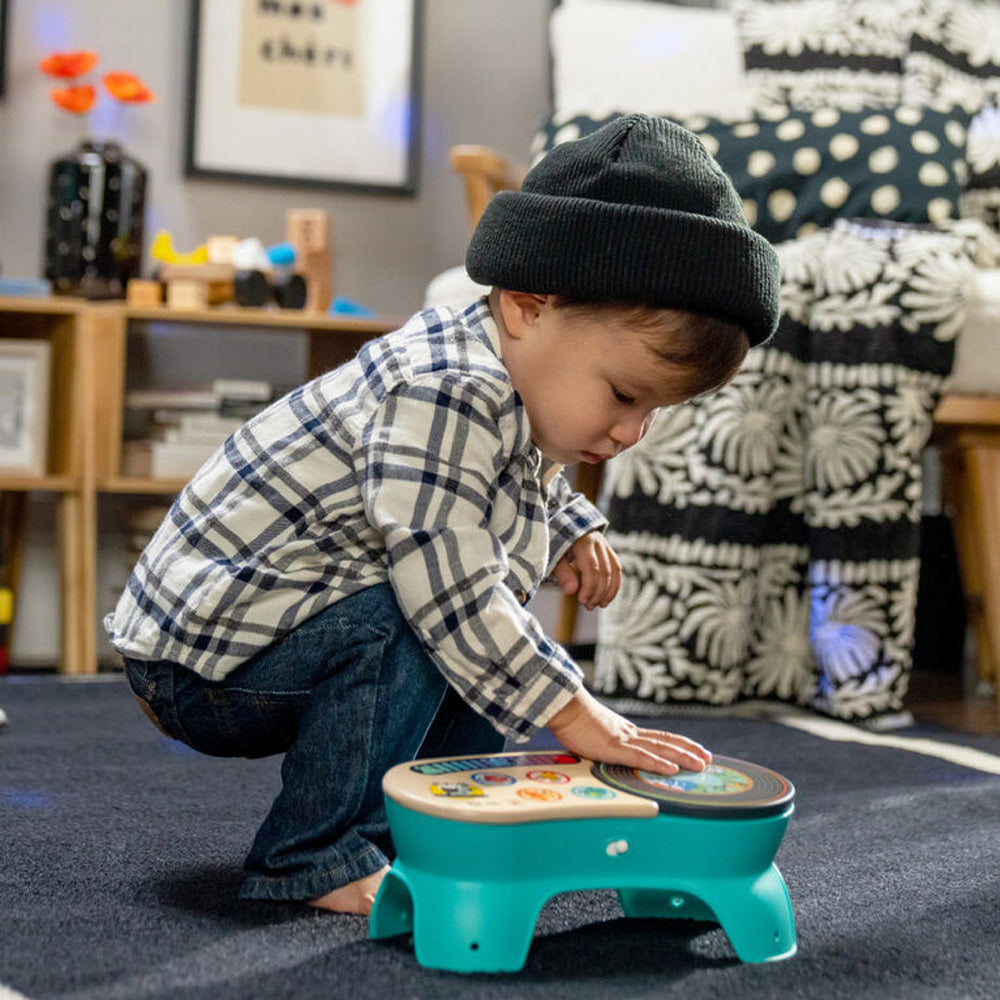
[709, 347]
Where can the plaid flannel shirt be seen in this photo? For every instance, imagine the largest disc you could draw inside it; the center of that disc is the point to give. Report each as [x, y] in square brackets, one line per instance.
[411, 464]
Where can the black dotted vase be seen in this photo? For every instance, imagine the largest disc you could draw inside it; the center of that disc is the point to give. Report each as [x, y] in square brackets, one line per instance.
[94, 221]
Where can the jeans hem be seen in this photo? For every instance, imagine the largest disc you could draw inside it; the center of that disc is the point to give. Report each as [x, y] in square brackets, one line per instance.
[313, 884]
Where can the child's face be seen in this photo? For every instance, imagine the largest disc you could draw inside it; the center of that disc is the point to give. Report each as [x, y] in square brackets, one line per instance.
[590, 386]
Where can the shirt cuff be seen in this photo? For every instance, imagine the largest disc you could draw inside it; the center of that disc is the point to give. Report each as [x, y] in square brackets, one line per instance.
[577, 518]
[520, 729]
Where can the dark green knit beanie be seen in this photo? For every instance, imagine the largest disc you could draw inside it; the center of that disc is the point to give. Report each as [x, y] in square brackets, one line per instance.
[637, 211]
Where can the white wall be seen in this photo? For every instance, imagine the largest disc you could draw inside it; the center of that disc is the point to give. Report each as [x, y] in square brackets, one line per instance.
[484, 80]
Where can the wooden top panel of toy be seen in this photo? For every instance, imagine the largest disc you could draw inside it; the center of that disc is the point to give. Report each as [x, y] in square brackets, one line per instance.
[727, 788]
[522, 787]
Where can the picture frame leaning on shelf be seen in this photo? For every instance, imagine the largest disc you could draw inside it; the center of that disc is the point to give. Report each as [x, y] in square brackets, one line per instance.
[24, 406]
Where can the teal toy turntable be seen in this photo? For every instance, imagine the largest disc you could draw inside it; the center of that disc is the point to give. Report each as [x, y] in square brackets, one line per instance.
[483, 842]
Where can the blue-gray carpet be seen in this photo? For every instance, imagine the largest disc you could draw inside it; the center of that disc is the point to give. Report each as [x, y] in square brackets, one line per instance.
[120, 855]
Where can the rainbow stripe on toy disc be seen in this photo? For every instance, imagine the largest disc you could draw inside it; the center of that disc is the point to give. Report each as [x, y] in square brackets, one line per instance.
[728, 787]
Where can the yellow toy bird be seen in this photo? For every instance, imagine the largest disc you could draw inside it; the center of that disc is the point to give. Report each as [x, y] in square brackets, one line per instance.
[163, 251]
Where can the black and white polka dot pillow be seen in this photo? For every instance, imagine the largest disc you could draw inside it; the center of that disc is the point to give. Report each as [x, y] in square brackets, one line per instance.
[801, 170]
[798, 171]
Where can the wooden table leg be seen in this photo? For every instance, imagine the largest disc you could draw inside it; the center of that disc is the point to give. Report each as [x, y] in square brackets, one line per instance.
[76, 513]
[76, 520]
[982, 464]
[965, 519]
[13, 528]
[588, 482]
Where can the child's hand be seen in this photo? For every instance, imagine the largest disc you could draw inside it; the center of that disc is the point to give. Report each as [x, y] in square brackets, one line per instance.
[590, 729]
[591, 570]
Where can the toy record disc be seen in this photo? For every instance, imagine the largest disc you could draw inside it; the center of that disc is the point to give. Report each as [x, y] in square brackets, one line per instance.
[730, 788]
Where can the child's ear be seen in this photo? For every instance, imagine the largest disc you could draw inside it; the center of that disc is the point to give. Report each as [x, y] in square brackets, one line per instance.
[521, 310]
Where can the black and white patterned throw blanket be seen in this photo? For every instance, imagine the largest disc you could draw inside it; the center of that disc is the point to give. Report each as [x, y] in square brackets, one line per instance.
[770, 532]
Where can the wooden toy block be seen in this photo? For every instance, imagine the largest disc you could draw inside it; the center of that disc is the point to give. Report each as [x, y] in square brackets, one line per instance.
[315, 267]
[218, 292]
[220, 249]
[308, 230]
[187, 294]
[196, 272]
[216, 279]
[143, 294]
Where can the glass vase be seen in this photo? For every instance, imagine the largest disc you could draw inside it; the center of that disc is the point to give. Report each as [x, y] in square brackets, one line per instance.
[94, 221]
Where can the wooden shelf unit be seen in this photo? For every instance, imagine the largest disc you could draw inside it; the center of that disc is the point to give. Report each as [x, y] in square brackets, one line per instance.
[89, 361]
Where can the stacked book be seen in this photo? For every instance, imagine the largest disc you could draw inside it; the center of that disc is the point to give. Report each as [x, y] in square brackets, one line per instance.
[171, 433]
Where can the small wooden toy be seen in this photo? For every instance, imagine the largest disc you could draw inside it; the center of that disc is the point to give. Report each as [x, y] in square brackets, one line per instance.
[163, 250]
[184, 293]
[220, 249]
[143, 294]
[216, 281]
[308, 230]
[483, 842]
[227, 269]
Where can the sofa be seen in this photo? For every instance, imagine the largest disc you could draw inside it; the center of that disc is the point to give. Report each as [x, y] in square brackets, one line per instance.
[770, 534]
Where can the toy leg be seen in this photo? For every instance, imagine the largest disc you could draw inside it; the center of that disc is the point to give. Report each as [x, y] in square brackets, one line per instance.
[392, 911]
[756, 914]
[465, 926]
[678, 904]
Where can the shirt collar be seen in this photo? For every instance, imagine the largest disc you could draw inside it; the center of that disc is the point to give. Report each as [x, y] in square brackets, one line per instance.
[492, 331]
[547, 470]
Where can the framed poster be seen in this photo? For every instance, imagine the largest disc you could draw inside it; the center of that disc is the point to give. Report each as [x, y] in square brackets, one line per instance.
[313, 93]
[24, 406]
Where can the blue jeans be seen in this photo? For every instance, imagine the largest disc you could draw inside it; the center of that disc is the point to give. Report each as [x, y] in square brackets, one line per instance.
[345, 696]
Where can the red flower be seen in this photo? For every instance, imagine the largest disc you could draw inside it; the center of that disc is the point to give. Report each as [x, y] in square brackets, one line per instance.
[78, 100]
[68, 64]
[127, 87]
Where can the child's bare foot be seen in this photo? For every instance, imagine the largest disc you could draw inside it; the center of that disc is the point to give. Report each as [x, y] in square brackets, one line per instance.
[355, 897]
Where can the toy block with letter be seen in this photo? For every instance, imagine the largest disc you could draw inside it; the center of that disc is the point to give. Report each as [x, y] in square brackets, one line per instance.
[308, 230]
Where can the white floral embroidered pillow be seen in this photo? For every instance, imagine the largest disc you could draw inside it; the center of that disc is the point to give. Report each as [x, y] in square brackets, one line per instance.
[953, 54]
[809, 54]
[981, 197]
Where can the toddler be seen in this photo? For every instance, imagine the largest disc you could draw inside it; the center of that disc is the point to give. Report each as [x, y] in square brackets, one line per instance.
[345, 581]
